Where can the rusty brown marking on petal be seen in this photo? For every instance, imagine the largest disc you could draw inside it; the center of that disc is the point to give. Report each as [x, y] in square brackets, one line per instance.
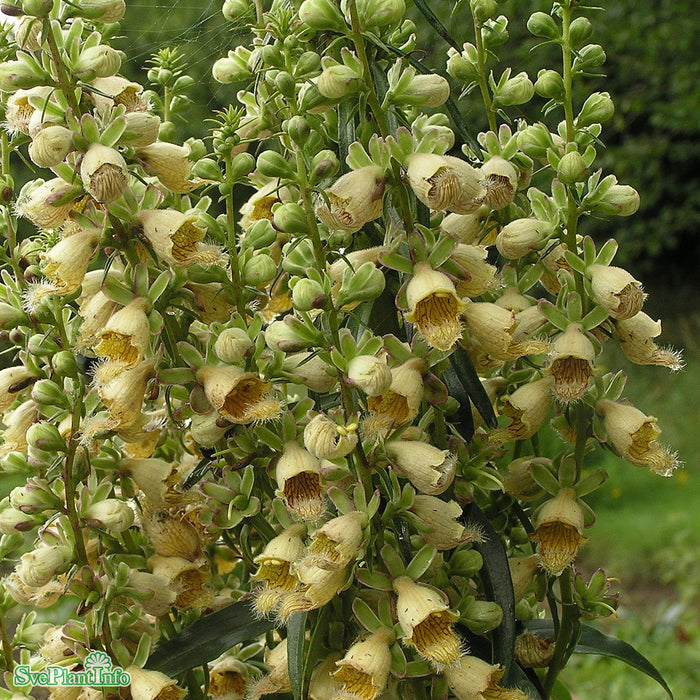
[185, 241]
[571, 375]
[302, 493]
[390, 405]
[435, 640]
[243, 397]
[118, 347]
[559, 543]
[356, 683]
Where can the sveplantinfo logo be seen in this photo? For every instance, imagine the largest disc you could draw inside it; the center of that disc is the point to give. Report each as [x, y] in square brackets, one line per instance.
[98, 671]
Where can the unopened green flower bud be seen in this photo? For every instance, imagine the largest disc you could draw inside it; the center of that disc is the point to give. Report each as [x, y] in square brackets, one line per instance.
[619, 200]
[312, 100]
[482, 616]
[207, 169]
[572, 168]
[588, 57]
[338, 81]
[99, 61]
[466, 562]
[64, 364]
[232, 345]
[287, 336]
[13, 521]
[365, 283]
[234, 10]
[463, 66]
[20, 75]
[107, 11]
[45, 436]
[377, 13]
[483, 10]
[37, 8]
[167, 132]
[273, 164]
[598, 108]
[260, 234]
[285, 83]
[308, 294]
[429, 90]
[10, 316]
[515, 91]
[242, 165]
[325, 164]
[110, 514]
[580, 31]
[549, 84]
[299, 257]
[46, 392]
[308, 63]
[41, 346]
[543, 25]
[298, 129]
[323, 15]
[534, 140]
[259, 270]
[290, 218]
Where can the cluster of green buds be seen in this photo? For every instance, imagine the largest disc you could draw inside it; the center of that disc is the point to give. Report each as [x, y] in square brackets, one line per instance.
[293, 376]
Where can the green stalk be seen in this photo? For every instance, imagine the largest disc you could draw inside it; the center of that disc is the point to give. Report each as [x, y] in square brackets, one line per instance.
[483, 82]
[61, 75]
[568, 633]
[6, 644]
[232, 243]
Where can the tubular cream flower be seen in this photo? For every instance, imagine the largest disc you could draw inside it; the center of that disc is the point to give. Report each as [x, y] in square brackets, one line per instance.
[533, 651]
[427, 622]
[259, 205]
[275, 567]
[633, 435]
[474, 679]
[571, 363]
[319, 586]
[520, 236]
[114, 91]
[176, 239]
[528, 407]
[171, 165]
[232, 344]
[228, 679]
[369, 374]
[12, 381]
[311, 370]
[325, 439]
[337, 543]
[38, 567]
[434, 307]
[122, 390]
[111, 514]
[522, 574]
[400, 403]
[441, 518]
[19, 109]
[364, 669]
[153, 685]
[67, 261]
[500, 181]
[47, 204]
[170, 536]
[186, 578]
[445, 182]
[353, 200]
[470, 228]
[17, 423]
[239, 396]
[298, 475]
[104, 174]
[51, 145]
[162, 596]
[480, 275]
[559, 531]
[277, 681]
[491, 324]
[322, 684]
[637, 335]
[616, 290]
[428, 468]
[126, 335]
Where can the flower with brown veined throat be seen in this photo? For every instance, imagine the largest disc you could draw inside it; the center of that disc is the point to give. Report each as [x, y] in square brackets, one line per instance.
[633, 435]
[126, 335]
[400, 403]
[427, 621]
[275, 567]
[637, 335]
[238, 396]
[528, 407]
[338, 542]
[170, 163]
[616, 290]
[353, 200]
[228, 679]
[571, 364]
[153, 685]
[176, 239]
[104, 174]
[559, 531]
[364, 669]
[298, 475]
[434, 307]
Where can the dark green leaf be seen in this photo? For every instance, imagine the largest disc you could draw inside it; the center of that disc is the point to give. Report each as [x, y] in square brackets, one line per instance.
[296, 628]
[593, 641]
[462, 363]
[435, 23]
[207, 638]
[498, 587]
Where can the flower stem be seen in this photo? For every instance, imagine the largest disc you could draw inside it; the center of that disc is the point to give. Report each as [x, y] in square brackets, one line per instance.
[483, 81]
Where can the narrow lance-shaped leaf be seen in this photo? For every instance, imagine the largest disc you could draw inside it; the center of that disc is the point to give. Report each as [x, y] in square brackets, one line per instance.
[296, 628]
